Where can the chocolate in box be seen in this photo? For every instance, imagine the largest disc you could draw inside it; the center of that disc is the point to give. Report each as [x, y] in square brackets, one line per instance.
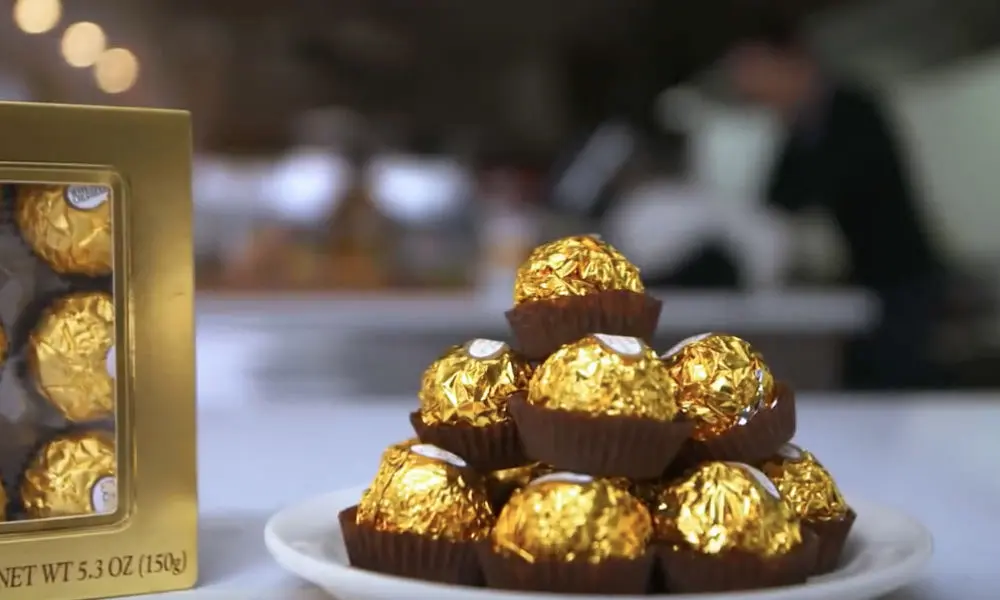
[97, 386]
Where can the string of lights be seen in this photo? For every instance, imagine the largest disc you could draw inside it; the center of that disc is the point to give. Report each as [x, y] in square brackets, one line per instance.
[83, 45]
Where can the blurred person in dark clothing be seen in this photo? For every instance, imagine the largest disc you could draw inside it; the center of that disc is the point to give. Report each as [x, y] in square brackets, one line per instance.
[625, 148]
[841, 155]
[670, 220]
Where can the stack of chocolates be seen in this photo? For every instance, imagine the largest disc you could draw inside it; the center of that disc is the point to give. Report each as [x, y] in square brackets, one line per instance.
[57, 328]
[579, 460]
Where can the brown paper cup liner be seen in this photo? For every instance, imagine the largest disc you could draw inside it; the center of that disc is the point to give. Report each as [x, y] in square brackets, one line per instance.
[542, 326]
[692, 572]
[601, 446]
[832, 536]
[409, 555]
[611, 577]
[486, 449]
[754, 442]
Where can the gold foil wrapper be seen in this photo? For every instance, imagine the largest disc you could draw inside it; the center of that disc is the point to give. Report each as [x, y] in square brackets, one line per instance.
[523, 475]
[470, 384]
[399, 448]
[518, 477]
[727, 506]
[572, 518]
[608, 376]
[68, 355]
[69, 228]
[72, 475]
[426, 491]
[574, 266]
[805, 485]
[723, 382]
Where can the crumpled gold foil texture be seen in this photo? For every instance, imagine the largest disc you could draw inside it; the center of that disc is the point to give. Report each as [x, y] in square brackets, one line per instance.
[574, 266]
[587, 376]
[726, 506]
[805, 485]
[67, 355]
[568, 521]
[723, 382]
[518, 476]
[418, 494]
[462, 388]
[60, 480]
[399, 448]
[70, 240]
[525, 474]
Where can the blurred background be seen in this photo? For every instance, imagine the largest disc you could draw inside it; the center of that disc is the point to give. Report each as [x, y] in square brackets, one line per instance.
[368, 175]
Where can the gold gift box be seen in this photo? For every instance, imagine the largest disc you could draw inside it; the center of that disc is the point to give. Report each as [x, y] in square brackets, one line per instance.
[140, 536]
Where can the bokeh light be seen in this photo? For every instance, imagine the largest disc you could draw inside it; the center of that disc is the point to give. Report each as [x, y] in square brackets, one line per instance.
[83, 43]
[116, 70]
[37, 16]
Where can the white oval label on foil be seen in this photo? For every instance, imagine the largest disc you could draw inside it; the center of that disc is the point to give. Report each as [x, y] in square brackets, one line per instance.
[104, 495]
[681, 344]
[790, 452]
[483, 349]
[111, 362]
[764, 481]
[433, 452]
[621, 344]
[563, 477]
[87, 197]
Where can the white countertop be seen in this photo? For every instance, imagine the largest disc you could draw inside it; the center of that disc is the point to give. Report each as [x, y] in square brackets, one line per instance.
[932, 455]
[821, 310]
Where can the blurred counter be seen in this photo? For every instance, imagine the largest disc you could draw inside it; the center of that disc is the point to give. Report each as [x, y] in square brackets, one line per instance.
[833, 310]
[379, 344]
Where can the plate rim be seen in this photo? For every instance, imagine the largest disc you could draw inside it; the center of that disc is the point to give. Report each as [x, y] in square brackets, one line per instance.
[881, 581]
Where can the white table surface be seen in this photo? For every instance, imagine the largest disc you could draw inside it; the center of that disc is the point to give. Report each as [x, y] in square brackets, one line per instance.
[933, 455]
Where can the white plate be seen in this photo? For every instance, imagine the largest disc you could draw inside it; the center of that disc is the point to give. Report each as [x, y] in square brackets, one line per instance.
[886, 550]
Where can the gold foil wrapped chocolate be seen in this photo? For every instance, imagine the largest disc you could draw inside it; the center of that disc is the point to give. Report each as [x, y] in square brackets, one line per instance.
[805, 485]
[511, 480]
[518, 477]
[399, 448]
[503, 482]
[723, 382]
[726, 506]
[69, 227]
[471, 383]
[72, 475]
[568, 517]
[574, 266]
[427, 491]
[606, 375]
[71, 355]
